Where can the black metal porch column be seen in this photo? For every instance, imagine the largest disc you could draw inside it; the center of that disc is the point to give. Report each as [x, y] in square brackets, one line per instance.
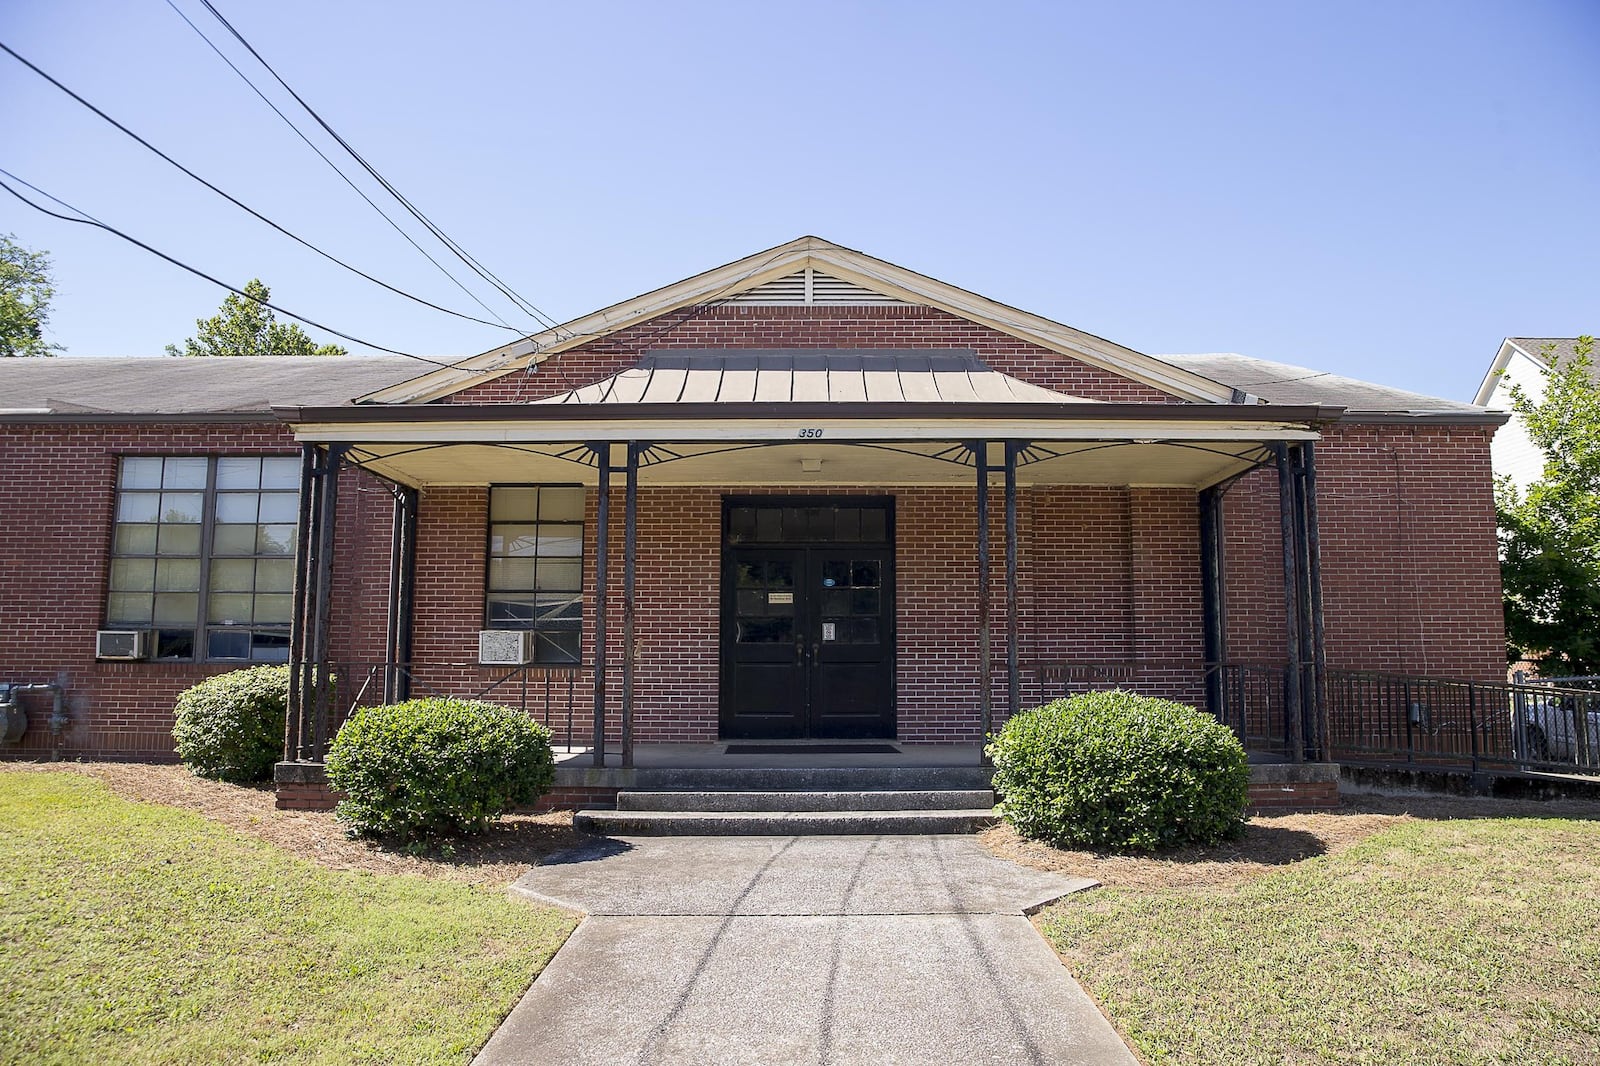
[1287, 522]
[1318, 690]
[1014, 448]
[1213, 605]
[630, 552]
[312, 698]
[402, 595]
[980, 460]
[602, 534]
[299, 670]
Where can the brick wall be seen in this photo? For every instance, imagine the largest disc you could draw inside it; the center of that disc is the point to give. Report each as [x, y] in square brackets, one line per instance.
[58, 494]
[809, 327]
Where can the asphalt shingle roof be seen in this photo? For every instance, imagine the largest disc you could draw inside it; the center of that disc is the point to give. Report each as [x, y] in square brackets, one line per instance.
[1285, 383]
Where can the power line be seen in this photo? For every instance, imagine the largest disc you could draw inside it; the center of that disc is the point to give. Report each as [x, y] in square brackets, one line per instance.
[240, 204]
[334, 166]
[90, 220]
[411, 208]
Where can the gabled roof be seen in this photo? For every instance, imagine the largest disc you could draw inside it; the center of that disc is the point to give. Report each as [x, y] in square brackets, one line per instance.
[837, 261]
[232, 389]
[1539, 350]
[810, 376]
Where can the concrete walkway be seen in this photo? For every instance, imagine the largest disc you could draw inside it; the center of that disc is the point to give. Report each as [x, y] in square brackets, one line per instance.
[778, 950]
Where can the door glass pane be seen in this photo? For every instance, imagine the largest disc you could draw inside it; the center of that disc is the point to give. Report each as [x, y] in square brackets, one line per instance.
[819, 523]
[747, 575]
[835, 602]
[794, 523]
[741, 524]
[864, 601]
[835, 574]
[235, 473]
[780, 574]
[752, 602]
[862, 630]
[874, 525]
[766, 630]
[769, 525]
[864, 573]
[847, 524]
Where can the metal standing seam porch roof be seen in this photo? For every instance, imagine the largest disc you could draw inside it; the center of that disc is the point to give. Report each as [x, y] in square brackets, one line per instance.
[809, 416]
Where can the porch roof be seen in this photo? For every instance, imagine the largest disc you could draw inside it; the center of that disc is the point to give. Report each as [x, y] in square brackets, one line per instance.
[797, 375]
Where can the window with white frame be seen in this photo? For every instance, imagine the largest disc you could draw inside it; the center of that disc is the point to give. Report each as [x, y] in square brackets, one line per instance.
[203, 555]
[535, 578]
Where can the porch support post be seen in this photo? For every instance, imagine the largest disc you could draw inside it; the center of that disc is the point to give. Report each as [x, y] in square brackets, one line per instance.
[402, 596]
[602, 532]
[630, 553]
[1013, 667]
[321, 612]
[1293, 722]
[1319, 651]
[294, 720]
[1212, 598]
[980, 461]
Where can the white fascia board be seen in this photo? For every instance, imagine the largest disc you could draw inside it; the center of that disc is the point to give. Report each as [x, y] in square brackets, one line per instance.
[845, 263]
[814, 431]
[1491, 380]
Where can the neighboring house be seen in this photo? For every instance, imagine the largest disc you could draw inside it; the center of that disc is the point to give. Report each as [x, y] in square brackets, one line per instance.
[1521, 361]
[800, 543]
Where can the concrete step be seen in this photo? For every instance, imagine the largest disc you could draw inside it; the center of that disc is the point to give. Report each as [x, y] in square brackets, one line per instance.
[796, 779]
[782, 823]
[804, 801]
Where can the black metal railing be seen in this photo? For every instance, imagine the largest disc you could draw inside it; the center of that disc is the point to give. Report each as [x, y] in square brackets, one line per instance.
[555, 695]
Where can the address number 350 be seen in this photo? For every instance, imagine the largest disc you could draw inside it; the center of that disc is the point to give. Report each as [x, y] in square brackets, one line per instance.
[806, 434]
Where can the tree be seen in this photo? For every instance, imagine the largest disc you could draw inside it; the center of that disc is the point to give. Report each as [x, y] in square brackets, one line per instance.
[1550, 536]
[25, 292]
[247, 326]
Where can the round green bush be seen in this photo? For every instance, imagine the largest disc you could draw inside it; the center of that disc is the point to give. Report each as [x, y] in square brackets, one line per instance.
[230, 727]
[433, 767]
[1120, 772]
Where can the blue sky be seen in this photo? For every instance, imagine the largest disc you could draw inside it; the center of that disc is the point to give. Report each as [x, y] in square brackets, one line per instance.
[1383, 190]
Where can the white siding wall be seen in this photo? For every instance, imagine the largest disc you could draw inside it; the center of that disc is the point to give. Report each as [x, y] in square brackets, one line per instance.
[1511, 451]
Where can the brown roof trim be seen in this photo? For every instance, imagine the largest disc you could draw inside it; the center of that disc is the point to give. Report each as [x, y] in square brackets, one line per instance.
[575, 412]
[1427, 418]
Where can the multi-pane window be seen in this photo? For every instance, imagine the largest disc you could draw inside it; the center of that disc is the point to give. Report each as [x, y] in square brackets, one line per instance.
[203, 555]
[536, 566]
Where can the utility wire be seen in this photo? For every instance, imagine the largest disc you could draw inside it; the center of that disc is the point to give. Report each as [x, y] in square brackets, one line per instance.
[416, 213]
[241, 205]
[90, 220]
[335, 167]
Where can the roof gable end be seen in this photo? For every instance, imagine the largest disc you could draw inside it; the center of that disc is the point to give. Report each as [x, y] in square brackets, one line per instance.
[852, 272]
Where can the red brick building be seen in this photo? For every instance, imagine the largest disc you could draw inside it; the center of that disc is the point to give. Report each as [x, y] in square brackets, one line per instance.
[836, 499]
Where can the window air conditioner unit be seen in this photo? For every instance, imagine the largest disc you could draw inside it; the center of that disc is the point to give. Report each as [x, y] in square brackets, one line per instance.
[505, 647]
[120, 643]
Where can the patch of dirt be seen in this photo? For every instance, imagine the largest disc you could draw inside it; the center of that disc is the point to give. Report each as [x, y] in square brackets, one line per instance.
[498, 857]
[1269, 841]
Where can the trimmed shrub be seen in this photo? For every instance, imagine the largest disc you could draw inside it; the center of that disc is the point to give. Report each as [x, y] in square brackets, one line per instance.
[1119, 771]
[432, 767]
[230, 727]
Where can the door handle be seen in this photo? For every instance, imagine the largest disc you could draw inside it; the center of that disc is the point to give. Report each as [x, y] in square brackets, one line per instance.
[800, 652]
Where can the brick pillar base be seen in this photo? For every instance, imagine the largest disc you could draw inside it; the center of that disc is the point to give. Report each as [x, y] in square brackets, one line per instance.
[1276, 788]
[303, 786]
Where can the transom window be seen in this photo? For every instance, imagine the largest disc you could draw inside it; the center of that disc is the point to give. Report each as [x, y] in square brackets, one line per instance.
[536, 566]
[203, 555]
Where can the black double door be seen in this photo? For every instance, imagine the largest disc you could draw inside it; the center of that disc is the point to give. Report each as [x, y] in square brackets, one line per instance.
[808, 641]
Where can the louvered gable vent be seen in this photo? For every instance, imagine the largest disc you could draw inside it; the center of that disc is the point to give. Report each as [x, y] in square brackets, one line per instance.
[810, 286]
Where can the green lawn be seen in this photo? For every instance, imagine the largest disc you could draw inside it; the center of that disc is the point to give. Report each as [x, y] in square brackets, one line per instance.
[1432, 942]
[134, 933]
